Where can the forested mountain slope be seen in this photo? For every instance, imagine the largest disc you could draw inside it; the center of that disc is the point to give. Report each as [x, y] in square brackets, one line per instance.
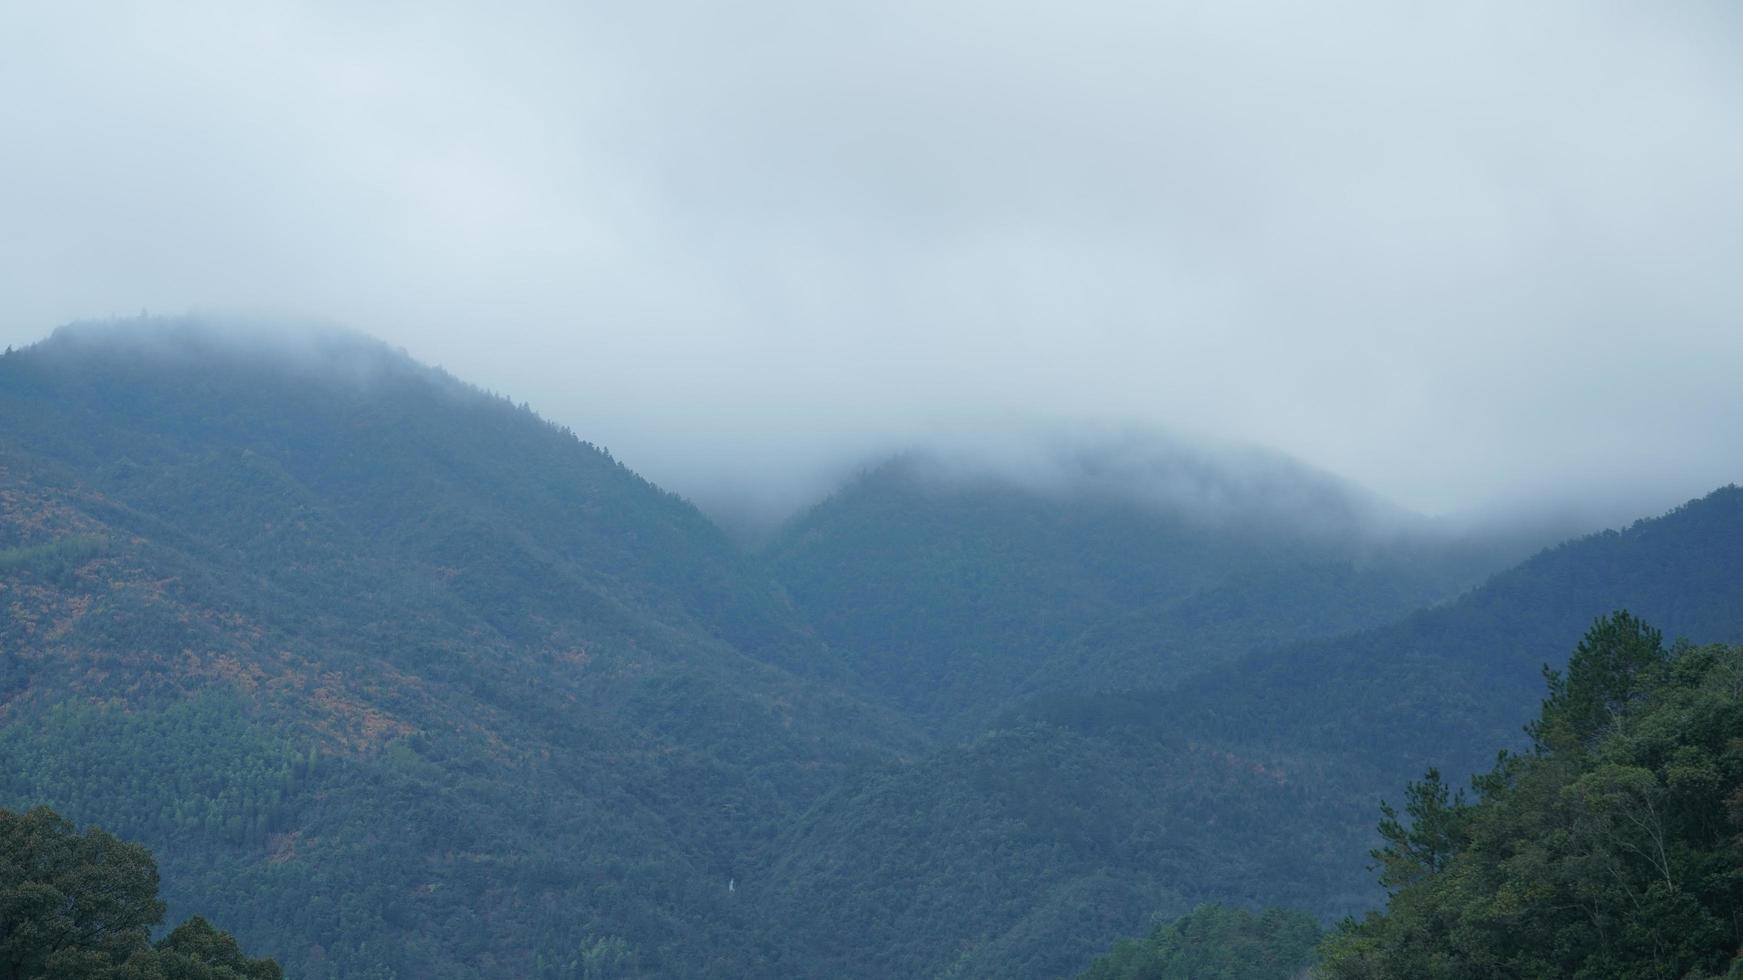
[1018, 853]
[1027, 851]
[1445, 686]
[956, 589]
[410, 681]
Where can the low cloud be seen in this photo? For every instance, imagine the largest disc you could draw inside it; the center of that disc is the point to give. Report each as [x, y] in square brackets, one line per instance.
[1469, 255]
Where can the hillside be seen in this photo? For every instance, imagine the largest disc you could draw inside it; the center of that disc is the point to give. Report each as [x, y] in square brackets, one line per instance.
[956, 588]
[363, 653]
[1029, 850]
[412, 683]
[1445, 686]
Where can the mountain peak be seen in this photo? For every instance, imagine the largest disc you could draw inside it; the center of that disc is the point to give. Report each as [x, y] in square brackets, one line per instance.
[304, 347]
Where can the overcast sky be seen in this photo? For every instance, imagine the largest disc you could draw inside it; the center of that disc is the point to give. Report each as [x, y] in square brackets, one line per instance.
[1459, 252]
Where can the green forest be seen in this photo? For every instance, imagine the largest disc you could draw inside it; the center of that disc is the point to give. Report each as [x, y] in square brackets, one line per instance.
[1213, 942]
[396, 679]
[1611, 847]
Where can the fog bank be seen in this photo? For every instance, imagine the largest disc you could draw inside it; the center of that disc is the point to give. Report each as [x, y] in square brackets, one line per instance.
[1475, 257]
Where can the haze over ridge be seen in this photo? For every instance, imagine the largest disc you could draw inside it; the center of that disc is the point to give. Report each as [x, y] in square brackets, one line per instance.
[1457, 255]
[1204, 481]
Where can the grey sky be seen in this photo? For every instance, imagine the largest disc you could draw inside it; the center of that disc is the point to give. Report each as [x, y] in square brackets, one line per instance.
[1459, 252]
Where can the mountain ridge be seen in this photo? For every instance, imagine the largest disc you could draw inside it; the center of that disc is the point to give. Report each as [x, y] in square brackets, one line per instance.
[957, 590]
[483, 629]
[1255, 784]
[420, 684]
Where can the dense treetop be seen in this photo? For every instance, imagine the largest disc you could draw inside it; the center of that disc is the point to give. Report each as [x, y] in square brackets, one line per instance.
[81, 906]
[1612, 848]
[1215, 943]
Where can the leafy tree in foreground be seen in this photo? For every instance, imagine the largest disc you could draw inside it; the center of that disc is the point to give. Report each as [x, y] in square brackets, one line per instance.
[1611, 850]
[1213, 942]
[81, 907]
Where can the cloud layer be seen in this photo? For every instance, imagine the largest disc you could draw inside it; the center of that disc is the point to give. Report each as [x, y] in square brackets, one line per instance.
[1462, 253]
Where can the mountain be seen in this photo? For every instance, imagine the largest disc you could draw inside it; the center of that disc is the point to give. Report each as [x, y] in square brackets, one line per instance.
[1028, 850]
[957, 585]
[407, 679]
[1445, 686]
[409, 682]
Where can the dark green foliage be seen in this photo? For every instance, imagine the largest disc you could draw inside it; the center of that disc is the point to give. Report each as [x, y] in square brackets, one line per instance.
[199, 770]
[1613, 850]
[1215, 943]
[197, 951]
[70, 897]
[53, 561]
[1611, 671]
[81, 906]
[951, 862]
[1422, 846]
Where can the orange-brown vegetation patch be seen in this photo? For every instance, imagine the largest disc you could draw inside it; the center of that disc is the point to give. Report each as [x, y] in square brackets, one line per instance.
[39, 514]
[154, 588]
[237, 625]
[72, 609]
[246, 676]
[353, 725]
[25, 613]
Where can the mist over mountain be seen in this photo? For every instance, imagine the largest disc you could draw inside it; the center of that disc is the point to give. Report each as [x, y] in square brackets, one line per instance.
[958, 583]
[853, 490]
[1197, 481]
[1200, 481]
[1464, 256]
[408, 680]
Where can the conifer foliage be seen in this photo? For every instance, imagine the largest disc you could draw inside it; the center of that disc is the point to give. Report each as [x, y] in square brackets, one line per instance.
[1610, 849]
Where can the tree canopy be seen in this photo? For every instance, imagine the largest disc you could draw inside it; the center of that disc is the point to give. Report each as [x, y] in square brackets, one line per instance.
[1611, 849]
[1215, 942]
[81, 906]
